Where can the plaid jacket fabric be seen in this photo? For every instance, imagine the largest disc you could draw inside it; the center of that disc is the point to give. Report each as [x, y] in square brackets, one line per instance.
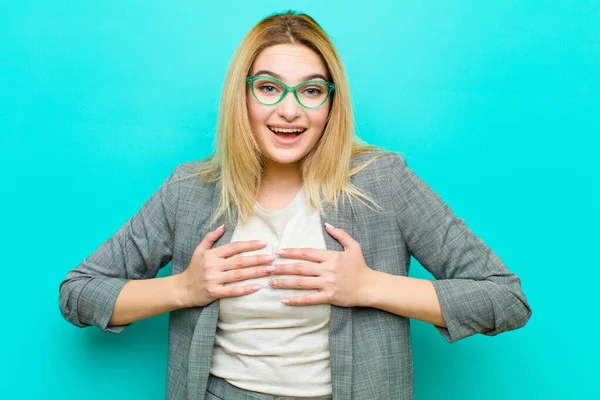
[371, 355]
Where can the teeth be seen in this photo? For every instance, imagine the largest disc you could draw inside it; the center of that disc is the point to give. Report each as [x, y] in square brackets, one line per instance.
[283, 130]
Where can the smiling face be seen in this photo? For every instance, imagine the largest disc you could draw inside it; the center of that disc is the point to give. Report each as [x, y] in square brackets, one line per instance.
[286, 131]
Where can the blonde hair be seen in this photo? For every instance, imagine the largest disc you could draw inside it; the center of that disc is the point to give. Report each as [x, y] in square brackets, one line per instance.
[237, 161]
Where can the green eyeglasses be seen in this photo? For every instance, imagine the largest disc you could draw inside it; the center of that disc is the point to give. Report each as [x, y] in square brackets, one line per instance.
[270, 91]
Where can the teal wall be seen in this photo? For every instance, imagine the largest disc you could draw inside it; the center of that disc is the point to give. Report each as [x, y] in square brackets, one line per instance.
[493, 103]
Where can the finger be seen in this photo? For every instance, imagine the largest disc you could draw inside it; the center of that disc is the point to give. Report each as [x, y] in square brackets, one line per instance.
[296, 283]
[315, 255]
[234, 248]
[303, 269]
[244, 274]
[247, 261]
[341, 236]
[236, 291]
[211, 237]
[306, 300]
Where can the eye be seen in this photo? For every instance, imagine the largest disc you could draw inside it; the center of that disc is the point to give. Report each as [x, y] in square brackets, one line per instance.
[313, 91]
[268, 88]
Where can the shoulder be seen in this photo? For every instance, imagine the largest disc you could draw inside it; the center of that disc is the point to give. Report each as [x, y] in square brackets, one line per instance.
[187, 179]
[188, 169]
[378, 165]
[379, 175]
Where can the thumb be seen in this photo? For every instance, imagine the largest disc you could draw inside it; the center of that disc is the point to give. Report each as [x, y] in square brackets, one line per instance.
[211, 237]
[341, 236]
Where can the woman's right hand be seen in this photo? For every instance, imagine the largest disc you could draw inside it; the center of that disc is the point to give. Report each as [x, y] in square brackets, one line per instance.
[210, 269]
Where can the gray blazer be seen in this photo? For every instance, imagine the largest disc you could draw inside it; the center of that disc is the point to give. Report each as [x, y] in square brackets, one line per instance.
[371, 355]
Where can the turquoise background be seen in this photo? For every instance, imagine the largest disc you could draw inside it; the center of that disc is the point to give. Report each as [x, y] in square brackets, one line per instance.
[494, 104]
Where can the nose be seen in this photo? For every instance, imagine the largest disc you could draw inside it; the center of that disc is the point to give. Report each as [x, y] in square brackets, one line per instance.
[289, 108]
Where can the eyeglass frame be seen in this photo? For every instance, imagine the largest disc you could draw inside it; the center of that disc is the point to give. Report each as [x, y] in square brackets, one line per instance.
[287, 89]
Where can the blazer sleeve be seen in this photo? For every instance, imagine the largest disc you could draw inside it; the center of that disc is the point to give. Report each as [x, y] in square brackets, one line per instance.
[142, 246]
[476, 291]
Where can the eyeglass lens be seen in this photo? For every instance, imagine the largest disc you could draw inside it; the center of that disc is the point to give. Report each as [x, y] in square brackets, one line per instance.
[310, 94]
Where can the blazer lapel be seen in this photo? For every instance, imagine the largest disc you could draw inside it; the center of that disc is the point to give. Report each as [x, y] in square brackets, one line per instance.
[340, 328]
[201, 348]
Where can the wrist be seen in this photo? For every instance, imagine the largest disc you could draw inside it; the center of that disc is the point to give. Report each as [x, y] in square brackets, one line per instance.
[180, 291]
[369, 289]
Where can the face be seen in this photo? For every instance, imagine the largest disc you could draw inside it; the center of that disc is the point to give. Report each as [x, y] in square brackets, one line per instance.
[291, 64]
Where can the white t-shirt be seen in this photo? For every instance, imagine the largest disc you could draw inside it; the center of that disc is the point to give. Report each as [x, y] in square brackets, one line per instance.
[266, 346]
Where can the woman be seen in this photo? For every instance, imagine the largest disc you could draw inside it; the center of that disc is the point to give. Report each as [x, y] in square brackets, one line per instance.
[298, 287]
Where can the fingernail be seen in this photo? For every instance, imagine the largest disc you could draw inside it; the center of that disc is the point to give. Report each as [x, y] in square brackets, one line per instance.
[279, 252]
[262, 242]
[329, 225]
[256, 287]
[269, 258]
[285, 301]
[270, 269]
[272, 283]
[221, 227]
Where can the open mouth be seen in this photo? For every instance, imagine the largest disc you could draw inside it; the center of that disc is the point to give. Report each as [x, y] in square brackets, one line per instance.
[285, 133]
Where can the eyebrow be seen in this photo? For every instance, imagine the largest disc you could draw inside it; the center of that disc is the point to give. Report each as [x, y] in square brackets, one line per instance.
[277, 76]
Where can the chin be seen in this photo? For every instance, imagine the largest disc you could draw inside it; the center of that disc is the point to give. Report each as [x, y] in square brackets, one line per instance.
[276, 157]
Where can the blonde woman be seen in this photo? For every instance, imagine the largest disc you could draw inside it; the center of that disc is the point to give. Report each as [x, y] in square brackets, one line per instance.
[290, 246]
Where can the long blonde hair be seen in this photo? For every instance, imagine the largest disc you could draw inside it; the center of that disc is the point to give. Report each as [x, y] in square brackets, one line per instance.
[237, 161]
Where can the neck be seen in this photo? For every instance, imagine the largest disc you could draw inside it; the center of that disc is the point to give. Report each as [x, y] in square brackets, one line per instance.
[282, 177]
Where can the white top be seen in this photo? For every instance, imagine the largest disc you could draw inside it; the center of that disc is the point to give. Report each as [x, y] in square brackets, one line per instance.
[261, 344]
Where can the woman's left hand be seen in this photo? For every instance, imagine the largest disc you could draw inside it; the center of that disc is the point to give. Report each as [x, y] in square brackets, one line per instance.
[341, 278]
